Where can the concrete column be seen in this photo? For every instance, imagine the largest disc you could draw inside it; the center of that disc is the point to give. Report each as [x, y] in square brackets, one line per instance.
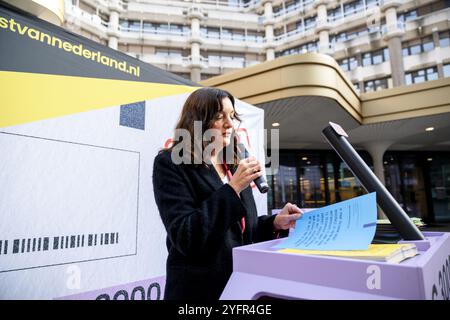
[359, 71]
[391, 16]
[377, 150]
[195, 27]
[324, 41]
[438, 54]
[270, 54]
[113, 42]
[114, 20]
[435, 37]
[113, 29]
[321, 6]
[440, 70]
[268, 28]
[195, 52]
[195, 74]
[322, 26]
[358, 57]
[269, 32]
[195, 62]
[195, 14]
[392, 35]
[268, 9]
[396, 61]
[361, 86]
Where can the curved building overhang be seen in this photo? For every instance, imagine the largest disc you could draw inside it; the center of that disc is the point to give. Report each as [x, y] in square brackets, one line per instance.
[48, 10]
[418, 100]
[292, 76]
[304, 92]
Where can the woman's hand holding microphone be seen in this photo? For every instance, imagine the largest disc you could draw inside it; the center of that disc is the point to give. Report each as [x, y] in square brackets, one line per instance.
[248, 170]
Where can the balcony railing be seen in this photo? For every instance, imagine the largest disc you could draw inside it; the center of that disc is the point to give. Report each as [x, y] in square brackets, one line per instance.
[237, 4]
[398, 27]
[297, 7]
[344, 14]
[295, 32]
[85, 16]
[213, 62]
[187, 62]
[163, 59]
[232, 37]
[163, 32]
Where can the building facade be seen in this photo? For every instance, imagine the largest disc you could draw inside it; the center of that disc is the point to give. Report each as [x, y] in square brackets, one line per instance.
[378, 43]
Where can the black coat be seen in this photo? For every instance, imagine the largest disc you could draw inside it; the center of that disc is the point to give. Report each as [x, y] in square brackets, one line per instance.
[202, 219]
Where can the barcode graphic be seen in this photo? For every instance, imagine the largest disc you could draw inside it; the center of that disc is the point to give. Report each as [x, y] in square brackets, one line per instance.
[26, 245]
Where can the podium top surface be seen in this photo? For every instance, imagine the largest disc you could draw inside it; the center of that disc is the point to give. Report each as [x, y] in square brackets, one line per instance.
[426, 249]
[265, 270]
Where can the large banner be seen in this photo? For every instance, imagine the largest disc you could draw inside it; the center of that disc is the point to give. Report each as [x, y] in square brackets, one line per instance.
[80, 125]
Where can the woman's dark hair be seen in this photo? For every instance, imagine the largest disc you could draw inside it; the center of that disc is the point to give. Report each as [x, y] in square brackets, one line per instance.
[203, 105]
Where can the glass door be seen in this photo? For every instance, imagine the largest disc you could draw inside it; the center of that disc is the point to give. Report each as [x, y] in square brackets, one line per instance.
[440, 187]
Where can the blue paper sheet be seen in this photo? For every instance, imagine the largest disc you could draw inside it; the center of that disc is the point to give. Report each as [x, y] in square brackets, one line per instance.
[347, 225]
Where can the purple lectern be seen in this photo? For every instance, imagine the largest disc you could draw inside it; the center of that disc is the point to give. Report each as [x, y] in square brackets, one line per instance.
[261, 272]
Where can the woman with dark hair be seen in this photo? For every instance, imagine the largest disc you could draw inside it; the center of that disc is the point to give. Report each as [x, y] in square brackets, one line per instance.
[206, 204]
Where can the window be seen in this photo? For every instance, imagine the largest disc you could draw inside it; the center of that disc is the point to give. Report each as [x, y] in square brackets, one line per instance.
[377, 84]
[408, 79]
[348, 63]
[444, 39]
[372, 3]
[353, 7]
[367, 59]
[422, 75]
[340, 37]
[446, 70]
[432, 74]
[254, 36]
[407, 16]
[427, 44]
[130, 25]
[415, 49]
[307, 47]
[375, 57]
[310, 22]
[299, 26]
[123, 23]
[290, 5]
[432, 7]
[344, 64]
[210, 32]
[357, 32]
[418, 46]
[170, 52]
[149, 27]
[418, 76]
[334, 14]
[277, 9]
[221, 56]
[226, 34]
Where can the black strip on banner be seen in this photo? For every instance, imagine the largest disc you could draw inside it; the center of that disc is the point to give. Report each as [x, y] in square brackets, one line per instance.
[30, 44]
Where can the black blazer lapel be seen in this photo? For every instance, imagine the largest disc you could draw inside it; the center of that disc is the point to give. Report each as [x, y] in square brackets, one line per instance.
[209, 174]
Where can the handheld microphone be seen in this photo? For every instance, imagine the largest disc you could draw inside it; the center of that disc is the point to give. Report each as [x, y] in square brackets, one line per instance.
[260, 182]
